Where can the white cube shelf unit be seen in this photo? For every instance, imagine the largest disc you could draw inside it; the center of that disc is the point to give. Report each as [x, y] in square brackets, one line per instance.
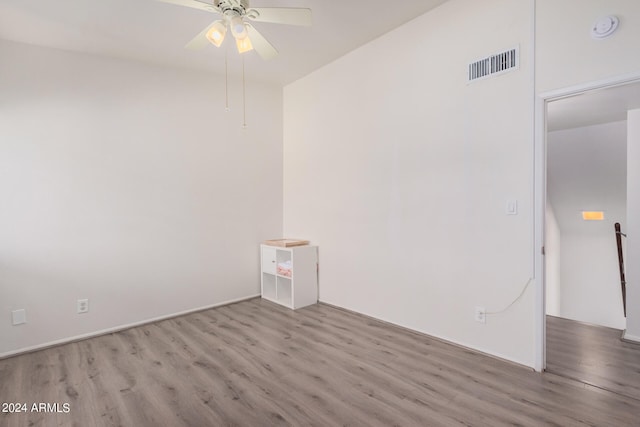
[293, 289]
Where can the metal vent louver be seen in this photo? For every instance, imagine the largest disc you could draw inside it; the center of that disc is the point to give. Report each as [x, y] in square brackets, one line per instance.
[499, 63]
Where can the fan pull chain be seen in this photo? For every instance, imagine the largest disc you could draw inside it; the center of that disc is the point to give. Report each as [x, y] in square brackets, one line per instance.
[244, 98]
[226, 80]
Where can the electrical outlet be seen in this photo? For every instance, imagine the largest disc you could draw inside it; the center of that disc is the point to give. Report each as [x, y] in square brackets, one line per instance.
[83, 306]
[481, 315]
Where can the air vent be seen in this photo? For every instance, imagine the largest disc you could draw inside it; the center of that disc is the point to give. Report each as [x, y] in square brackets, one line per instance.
[493, 65]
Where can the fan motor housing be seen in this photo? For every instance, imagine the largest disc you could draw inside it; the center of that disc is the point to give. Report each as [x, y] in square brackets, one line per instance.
[238, 7]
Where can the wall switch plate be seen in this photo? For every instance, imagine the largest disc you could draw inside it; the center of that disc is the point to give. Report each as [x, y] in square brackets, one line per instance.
[83, 306]
[481, 315]
[19, 317]
[512, 207]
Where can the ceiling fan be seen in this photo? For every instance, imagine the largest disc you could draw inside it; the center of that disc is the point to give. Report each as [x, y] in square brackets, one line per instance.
[235, 14]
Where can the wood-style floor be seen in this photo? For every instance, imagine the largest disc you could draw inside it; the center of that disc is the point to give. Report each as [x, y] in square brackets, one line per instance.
[594, 355]
[257, 364]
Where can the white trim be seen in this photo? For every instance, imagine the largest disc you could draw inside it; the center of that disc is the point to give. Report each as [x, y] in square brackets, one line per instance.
[630, 338]
[538, 157]
[540, 174]
[118, 328]
[578, 89]
[539, 203]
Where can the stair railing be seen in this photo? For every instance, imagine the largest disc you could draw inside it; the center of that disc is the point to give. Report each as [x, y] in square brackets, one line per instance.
[623, 283]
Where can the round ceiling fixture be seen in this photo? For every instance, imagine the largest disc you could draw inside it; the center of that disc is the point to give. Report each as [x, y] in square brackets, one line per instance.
[604, 27]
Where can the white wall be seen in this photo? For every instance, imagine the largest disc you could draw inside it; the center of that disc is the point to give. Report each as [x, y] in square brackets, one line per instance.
[566, 55]
[633, 226]
[590, 290]
[127, 184]
[553, 250]
[400, 172]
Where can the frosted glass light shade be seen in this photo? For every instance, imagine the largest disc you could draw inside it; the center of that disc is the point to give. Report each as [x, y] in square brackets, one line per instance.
[216, 33]
[244, 45]
[238, 29]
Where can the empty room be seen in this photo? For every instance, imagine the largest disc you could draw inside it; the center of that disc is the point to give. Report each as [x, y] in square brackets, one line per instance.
[305, 212]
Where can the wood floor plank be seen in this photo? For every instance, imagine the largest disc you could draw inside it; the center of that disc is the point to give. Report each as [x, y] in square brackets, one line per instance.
[255, 363]
[356, 370]
[292, 361]
[593, 354]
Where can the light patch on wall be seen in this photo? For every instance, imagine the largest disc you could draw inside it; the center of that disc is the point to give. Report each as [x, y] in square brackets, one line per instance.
[593, 215]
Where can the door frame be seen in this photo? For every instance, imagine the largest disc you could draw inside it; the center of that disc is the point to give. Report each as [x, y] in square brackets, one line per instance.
[540, 194]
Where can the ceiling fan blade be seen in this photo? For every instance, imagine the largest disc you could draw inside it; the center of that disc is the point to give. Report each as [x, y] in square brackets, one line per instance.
[200, 41]
[195, 4]
[281, 15]
[260, 44]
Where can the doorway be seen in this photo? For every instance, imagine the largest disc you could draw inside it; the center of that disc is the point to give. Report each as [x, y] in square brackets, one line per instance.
[586, 195]
[581, 166]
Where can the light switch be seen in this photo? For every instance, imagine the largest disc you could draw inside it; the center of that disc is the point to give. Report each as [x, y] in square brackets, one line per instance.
[512, 207]
[19, 316]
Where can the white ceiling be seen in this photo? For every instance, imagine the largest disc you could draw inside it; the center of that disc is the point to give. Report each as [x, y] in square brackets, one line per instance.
[156, 32]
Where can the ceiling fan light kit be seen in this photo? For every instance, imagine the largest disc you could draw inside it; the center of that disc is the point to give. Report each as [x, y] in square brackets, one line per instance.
[235, 14]
[247, 38]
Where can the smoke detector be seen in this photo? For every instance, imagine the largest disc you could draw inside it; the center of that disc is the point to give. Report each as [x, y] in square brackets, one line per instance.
[604, 27]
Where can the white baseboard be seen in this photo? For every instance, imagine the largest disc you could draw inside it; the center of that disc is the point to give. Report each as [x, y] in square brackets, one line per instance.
[117, 328]
[630, 338]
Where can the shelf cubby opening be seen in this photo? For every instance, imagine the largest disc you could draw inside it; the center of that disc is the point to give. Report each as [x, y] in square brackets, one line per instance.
[285, 294]
[269, 289]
